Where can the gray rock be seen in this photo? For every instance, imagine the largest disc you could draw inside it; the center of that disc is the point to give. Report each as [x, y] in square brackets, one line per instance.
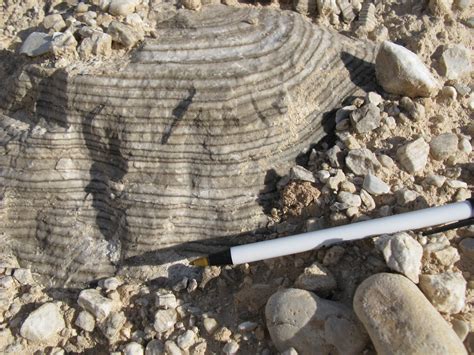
[36, 44]
[316, 278]
[111, 284]
[350, 200]
[23, 276]
[445, 291]
[400, 71]
[467, 247]
[333, 255]
[133, 348]
[122, 7]
[96, 304]
[366, 119]
[455, 62]
[165, 319]
[312, 325]
[112, 325]
[400, 320]
[434, 180]
[7, 282]
[415, 110]
[402, 253]
[124, 34]
[374, 185]
[43, 323]
[165, 299]
[461, 328]
[465, 145]
[444, 146]
[362, 161]
[299, 173]
[155, 347]
[54, 22]
[413, 156]
[171, 348]
[230, 348]
[186, 340]
[405, 196]
[85, 321]
[247, 326]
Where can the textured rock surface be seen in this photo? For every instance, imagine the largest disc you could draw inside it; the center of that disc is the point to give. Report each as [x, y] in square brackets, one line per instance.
[414, 155]
[445, 291]
[316, 278]
[299, 319]
[43, 323]
[176, 146]
[400, 320]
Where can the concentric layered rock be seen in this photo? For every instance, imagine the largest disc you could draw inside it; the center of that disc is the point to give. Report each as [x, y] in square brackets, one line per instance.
[182, 142]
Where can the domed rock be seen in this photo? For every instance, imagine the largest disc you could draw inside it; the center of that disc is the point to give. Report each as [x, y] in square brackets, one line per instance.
[182, 142]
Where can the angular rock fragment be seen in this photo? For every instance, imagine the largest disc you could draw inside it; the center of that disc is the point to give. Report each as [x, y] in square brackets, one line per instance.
[124, 34]
[362, 161]
[366, 118]
[444, 146]
[374, 185]
[37, 43]
[122, 7]
[445, 291]
[413, 156]
[316, 278]
[43, 323]
[455, 62]
[92, 301]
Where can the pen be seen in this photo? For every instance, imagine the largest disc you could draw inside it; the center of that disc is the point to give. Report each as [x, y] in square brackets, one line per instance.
[299, 243]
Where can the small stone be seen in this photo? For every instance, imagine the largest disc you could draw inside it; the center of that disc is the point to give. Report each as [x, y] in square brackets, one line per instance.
[181, 285]
[413, 156]
[55, 22]
[445, 291]
[186, 340]
[366, 118]
[415, 110]
[133, 349]
[348, 187]
[299, 173]
[111, 284]
[290, 351]
[435, 180]
[316, 278]
[223, 334]
[112, 325]
[210, 324]
[374, 185]
[165, 319]
[312, 325]
[23, 276]
[444, 146]
[93, 302]
[461, 328]
[101, 44]
[456, 184]
[155, 347]
[362, 161]
[323, 176]
[333, 156]
[405, 196]
[122, 7]
[165, 299]
[82, 7]
[191, 4]
[85, 321]
[43, 323]
[373, 98]
[7, 282]
[350, 200]
[36, 44]
[447, 256]
[367, 200]
[192, 285]
[247, 326]
[462, 195]
[172, 349]
[124, 34]
[230, 348]
[448, 93]
[467, 247]
[386, 161]
[393, 310]
[455, 62]
[465, 145]
[344, 112]
[333, 255]
[400, 71]
[402, 253]
[334, 181]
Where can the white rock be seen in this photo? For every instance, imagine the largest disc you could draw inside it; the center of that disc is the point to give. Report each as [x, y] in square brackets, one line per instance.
[55, 22]
[43, 323]
[165, 299]
[447, 256]
[435, 180]
[7, 282]
[112, 325]
[455, 62]
[122, 7]
[171, 348]
[456, 184]
[400, 71]
[402, 253]
[186, 340]
[155, 347]
[413, 156]
[349, 199]
[362, 161]
[373, 98]
[312, 325]
[386, 161]
[367, 200]
[400, 320]
[247, 326]
[23, 276]
[444, 146]
[374, 185]
[133, 348]
[36, 44]
[230, 348]
[316, 278]
[366, 119]
[405, 196]
[96, 304]
[323, 176]
[445, 291]
[165, 319]
[465, 145]
[290, 351]
[299, 173]
[124, 34]
[111, 283]
[210, 324]
[191, 4]
[85, 321]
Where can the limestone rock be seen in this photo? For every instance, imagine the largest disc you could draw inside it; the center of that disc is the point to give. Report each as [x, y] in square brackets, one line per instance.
[23, 276]
[230, 348]
[348, 199]
[133, 348]
[362, 161]
[455, 62]
[299, 319]
[112, 325]
[124, 34]
[186, 340]
[366, 118]
[402, 253]
[43, 323]
[155, 347]
[400, 320]
[413, 156]
[92, 301]
[444, 146]
[191, 4]
[37, 43]
[400, 71]
[445, 291]
[165, 299]
[467, 247]
[54, 22]
[374, 185]
[165, 319]
[85, 321]
[300, 173]
[122, 7]
[316, 278]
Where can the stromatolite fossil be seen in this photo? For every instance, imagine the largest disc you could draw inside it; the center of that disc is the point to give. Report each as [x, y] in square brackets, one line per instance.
[181, 143]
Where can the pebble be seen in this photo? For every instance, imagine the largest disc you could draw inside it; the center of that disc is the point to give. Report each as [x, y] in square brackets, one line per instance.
[122, 7]
[186, 340]
[405, 196]
[333, 156]
[467, 247]
[223, 334]
[400, 320]
[444, 146]
[435, 180]
[362, 161]
[366, 118]
[374, 185]
[111, 283]
[350, 200]
[465, 145]
[333, 255]
[373, 98]
[210, 324]
[323, 176]
[447, 256]
[455, 62]
[124, 34]
[165, 319]
[165, 300]
[43, 323]
[247, 326]
[386, 161]
[445, 291]
[230, 348]
[299, 173]
[36, 44]
[334, 181]
[402, 253]
[413, 156]
[23, 276]
[96, 304]
[7, 282]
[456, 184]
[113, 324]
[133, 348]
[171, 348]
[461, 328]
[290, 351]
[312, 325]
[191, 4]
[85, 321]
[154, 347]
[415, 110]
[400, 71]
[316, 278]
[367, 200]
[54, 22]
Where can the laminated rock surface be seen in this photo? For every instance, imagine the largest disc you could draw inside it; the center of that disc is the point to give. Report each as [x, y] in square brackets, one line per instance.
[182, 142]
